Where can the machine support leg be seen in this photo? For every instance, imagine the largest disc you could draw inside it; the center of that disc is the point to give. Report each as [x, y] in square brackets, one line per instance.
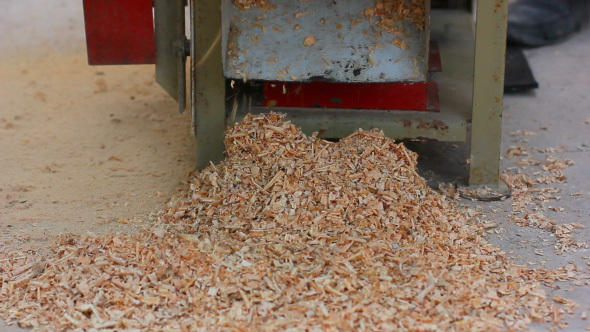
[488, 92]
[207, 82]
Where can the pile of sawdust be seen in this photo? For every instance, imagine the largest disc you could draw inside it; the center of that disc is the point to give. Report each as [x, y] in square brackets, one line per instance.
[290, 232]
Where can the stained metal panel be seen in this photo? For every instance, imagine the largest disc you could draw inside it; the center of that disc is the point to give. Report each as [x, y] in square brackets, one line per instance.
[417, 96]
[119, 32]
[207, 82]
[265, 44]
[169, 22]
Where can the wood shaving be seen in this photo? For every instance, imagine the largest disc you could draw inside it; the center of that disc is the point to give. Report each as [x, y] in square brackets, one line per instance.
[309, 41]
[389, 14]
[449, 190]
[290, 232]
[481, 194]
[298, 15]
[249, 4]
[516, 151]
[398, 41]
[523, 133]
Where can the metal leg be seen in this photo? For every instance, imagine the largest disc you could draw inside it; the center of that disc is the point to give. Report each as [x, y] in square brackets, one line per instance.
[208, 84]
[488, 92]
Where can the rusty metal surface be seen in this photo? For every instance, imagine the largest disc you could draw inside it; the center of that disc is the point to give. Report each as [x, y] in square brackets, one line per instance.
[266, 45]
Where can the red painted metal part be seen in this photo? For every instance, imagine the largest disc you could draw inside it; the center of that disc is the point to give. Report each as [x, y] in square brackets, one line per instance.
[418, 96]
[382, 96]
[119, 32]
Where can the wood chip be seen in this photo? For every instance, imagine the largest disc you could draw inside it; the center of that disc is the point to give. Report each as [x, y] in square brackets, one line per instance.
[309, 41]
[389, 14]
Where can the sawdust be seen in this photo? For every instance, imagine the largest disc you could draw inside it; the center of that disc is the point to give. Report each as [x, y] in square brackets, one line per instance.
[387, 14]
[390, 13]
[290, 232]
[531, 191]
[309, 41]
[249, 4]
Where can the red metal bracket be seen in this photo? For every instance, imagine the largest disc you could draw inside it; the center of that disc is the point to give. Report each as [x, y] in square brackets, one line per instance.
[119, 32]
[419, 96]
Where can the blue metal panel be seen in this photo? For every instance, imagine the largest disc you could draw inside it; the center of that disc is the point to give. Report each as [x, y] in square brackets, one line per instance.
[269, 44]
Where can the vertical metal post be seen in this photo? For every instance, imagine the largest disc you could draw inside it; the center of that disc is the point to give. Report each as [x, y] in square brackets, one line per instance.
[488, 91]
[207, 81]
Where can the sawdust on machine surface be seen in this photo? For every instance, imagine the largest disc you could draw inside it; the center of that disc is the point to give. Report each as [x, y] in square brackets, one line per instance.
[387, 14]
[289, 232]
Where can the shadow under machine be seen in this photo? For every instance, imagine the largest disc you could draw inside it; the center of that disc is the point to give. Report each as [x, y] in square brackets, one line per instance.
[332, 66]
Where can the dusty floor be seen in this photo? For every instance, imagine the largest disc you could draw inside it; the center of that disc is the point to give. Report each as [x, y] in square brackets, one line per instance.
[557, 116]
[82, 147]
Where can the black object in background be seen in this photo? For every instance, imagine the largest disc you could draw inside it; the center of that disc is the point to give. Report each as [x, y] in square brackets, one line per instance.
[518, 75]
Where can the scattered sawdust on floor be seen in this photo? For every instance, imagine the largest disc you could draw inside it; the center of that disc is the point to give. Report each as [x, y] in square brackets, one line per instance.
[534, 185]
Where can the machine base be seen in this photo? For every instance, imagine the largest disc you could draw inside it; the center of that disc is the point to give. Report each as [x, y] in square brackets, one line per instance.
[486, 193]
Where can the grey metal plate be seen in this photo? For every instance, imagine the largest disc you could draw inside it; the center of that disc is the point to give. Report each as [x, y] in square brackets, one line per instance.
[264, 44]
[166, 32]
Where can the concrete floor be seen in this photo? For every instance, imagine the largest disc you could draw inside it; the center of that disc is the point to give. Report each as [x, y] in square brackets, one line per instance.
[559, 113]
[556, 112]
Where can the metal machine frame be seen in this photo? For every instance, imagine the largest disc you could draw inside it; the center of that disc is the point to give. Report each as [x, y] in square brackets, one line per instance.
[470, 85]
[471, 90]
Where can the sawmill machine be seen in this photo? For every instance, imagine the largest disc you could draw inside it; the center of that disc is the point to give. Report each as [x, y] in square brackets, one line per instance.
[332, 66]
